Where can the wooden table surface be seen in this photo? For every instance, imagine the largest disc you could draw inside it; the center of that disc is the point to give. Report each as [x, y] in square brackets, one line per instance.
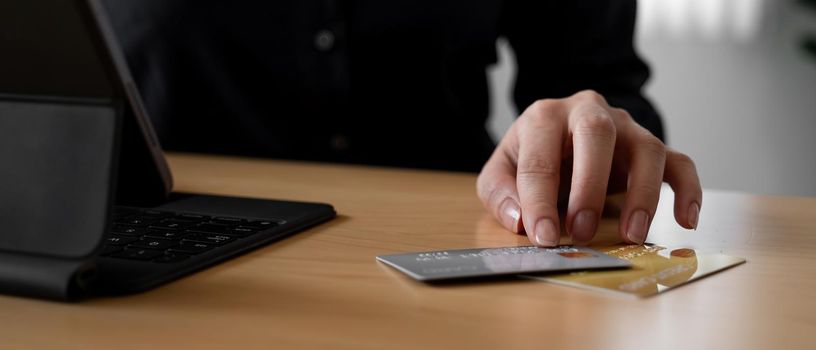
[322, 288]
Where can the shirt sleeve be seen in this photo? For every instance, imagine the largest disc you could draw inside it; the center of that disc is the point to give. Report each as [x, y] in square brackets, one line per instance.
[563, 47]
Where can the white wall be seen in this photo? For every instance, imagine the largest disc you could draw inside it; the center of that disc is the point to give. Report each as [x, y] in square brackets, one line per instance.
[736, 90]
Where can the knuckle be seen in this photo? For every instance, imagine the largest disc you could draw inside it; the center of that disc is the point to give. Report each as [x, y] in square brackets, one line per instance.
[623, 114]
[538, 166]
[682, 160]
[653, 145]
[589, 183]
[545, 119]
[543, 103]
[543, 108]
[646, 191]
[589, 95]
[597, 122]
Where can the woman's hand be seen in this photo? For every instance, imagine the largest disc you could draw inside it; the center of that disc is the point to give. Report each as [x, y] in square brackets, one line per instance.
[594, 149]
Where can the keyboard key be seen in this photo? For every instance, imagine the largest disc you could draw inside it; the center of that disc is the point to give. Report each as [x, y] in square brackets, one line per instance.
[171, 258]
[189, 247]
[138, 254]
[211, 238]
[153, 243]
[193, 217]
[128, 230]
[115, 240]
[165, 234]
[241, 231]
[173, 225]
[211, 228]
[260, 224]
[135, 221]
[226, 221]
[180, 221]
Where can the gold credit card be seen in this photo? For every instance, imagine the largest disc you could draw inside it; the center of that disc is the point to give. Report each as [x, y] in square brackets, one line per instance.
[655, 269]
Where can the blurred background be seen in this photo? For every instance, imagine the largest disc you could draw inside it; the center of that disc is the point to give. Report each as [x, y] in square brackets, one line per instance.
[735, 81]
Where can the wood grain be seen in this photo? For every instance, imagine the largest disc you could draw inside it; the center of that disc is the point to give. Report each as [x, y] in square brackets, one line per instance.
[322, 289]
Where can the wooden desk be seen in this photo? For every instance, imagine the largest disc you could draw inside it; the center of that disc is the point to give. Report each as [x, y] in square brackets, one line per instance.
[322, 289]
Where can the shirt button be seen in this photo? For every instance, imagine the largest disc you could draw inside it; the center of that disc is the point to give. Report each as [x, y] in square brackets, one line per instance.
[339, 143]
[324, 40]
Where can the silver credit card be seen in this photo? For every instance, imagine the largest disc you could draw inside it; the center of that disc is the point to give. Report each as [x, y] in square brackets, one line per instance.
[469, 263]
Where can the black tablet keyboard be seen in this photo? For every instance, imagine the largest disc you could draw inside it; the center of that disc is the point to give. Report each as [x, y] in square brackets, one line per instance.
[168, 237]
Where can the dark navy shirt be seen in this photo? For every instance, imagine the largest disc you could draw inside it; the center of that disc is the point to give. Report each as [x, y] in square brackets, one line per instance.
[395, 83]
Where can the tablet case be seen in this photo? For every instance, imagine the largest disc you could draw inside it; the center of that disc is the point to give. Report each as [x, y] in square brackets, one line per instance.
[59, 158]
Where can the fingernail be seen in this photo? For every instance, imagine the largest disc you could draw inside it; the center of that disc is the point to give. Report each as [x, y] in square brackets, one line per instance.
[545, 233]
[638, 226]
[511, 213]
[583, 226]
[694, 214]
